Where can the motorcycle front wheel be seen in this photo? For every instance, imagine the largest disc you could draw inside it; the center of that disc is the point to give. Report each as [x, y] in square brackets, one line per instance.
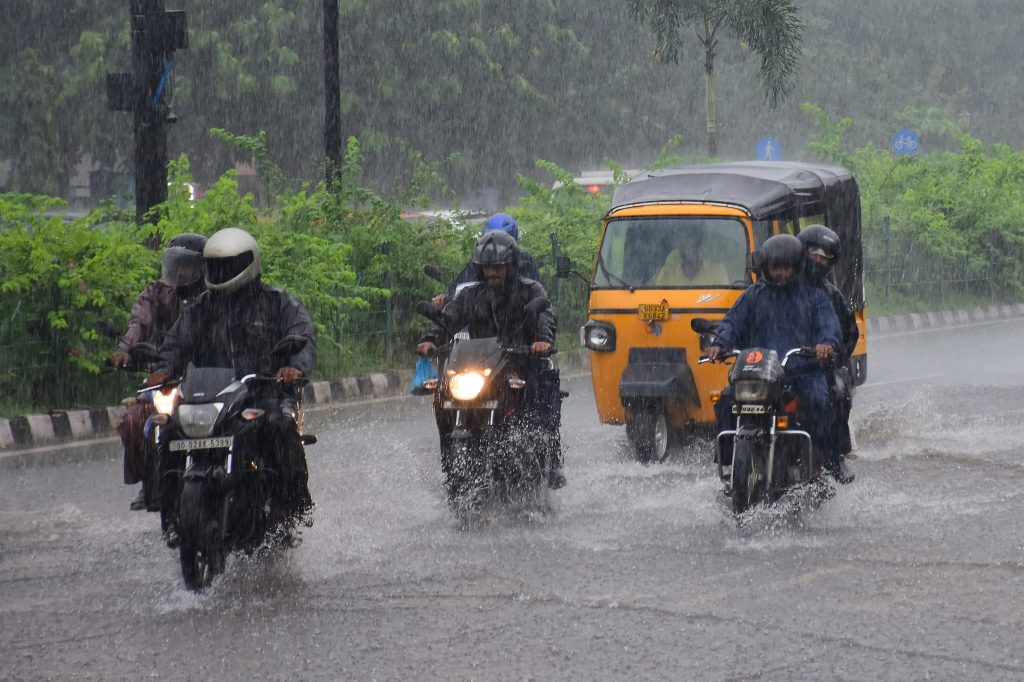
[201, 551]
[747, 485]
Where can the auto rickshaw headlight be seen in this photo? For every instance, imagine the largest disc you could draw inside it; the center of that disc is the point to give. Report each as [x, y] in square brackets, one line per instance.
[599, 336]
[750, 391]
[466, 385]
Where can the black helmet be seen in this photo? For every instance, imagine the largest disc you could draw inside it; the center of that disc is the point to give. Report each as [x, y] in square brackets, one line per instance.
[183, 260]
[821, 237]
[780, 250]
[496, 248]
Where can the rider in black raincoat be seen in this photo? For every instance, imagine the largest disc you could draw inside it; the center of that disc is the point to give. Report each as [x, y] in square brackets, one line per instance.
[237, 323]
[822, 247]
[495, 306]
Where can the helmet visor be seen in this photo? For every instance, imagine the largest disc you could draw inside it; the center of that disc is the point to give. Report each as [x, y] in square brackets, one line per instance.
[181, 267]
[223, 270]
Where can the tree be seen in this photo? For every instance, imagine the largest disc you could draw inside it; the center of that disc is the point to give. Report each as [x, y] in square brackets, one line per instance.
[770, 28]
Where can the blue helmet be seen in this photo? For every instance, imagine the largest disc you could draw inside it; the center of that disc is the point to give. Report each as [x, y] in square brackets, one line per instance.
[502, 222]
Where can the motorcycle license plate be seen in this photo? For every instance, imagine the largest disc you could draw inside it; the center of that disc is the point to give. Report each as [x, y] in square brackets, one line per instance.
[201, 443]
[653, 312]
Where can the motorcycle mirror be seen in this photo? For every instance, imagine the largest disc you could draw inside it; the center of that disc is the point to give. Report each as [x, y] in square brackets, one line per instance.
[108, 328]
[563, 267]
[537, 306]
[289, 346]
[142, 353]
[434, 273]
[703, 326]
[428, 310]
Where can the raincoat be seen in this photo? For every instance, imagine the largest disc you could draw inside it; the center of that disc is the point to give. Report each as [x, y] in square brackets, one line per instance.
[239, 331]
[497, 311]
[782, 318]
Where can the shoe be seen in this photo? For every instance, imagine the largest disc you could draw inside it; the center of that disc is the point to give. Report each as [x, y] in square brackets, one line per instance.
[556, 479]
[842, 473]
[139, 503]
[171, 536]
[849, 456]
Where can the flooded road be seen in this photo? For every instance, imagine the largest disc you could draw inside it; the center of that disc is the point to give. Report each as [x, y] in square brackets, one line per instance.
[915, 571]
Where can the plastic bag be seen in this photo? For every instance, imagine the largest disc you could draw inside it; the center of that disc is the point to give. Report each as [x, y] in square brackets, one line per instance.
[424, 370]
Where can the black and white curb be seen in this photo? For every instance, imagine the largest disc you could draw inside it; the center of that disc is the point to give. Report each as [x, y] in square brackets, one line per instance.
[36, 430]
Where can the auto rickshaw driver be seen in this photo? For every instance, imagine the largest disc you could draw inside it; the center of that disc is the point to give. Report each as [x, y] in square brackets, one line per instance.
[686, 263]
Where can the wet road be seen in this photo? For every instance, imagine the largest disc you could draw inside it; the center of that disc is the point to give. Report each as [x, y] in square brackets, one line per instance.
[916, 571]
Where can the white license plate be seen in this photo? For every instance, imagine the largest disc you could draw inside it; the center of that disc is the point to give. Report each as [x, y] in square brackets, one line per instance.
[201, 444]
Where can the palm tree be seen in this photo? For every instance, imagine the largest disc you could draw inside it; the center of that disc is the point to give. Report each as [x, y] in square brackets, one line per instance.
[771, 29]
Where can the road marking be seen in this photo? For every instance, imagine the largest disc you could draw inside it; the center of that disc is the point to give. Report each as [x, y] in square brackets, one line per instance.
[899, 381]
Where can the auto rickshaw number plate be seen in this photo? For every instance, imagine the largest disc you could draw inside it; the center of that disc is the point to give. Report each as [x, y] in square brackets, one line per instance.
[653, 311]
[201, 443]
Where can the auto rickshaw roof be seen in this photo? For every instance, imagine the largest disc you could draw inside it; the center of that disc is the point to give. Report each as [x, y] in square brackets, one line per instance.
[763, 188]
[767, 189]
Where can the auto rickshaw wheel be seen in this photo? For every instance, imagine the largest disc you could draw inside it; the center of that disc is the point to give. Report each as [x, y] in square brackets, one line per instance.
[647, 430]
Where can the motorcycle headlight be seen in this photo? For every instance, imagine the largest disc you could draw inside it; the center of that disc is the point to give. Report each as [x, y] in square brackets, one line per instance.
[599, 336]
[197, 420]
[467, 385]
[165, 399]
[750, 391]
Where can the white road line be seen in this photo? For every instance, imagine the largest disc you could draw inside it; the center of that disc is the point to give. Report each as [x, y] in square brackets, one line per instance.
[899, 381]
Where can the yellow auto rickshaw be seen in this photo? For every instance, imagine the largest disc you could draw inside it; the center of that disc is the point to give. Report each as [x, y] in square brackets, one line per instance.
[679, 244]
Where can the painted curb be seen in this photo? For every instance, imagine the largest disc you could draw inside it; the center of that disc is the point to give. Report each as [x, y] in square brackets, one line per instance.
[31, 431]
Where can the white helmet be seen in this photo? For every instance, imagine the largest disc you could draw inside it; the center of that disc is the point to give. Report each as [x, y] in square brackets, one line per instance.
[232, 260]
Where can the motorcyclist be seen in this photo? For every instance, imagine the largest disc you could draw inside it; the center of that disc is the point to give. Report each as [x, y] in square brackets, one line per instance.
[153, 313]
[781, 312]
[494, 306]
[500, 222]
[236, 323]
[822, 247]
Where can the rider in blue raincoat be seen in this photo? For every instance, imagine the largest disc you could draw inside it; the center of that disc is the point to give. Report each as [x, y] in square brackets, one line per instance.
[782, 312]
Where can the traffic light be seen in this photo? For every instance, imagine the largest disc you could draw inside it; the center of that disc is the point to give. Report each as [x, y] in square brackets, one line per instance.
[156, 35]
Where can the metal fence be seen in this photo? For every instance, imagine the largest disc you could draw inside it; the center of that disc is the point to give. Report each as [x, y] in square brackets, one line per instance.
[37, 371]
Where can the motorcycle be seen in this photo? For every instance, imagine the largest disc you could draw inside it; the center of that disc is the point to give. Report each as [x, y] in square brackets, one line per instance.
[767, 452]
[225, 493]
[492, 447]
[161, 402]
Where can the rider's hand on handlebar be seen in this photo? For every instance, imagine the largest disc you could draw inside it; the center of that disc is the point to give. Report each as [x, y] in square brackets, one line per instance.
[427, 348]
[288, 375]
[156, 378]
[440, 300]
[119, 360]
[712, 352]
[540, 347]
[824, 351]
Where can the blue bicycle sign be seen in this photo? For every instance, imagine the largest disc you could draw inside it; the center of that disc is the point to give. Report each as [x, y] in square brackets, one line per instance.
[905, 142]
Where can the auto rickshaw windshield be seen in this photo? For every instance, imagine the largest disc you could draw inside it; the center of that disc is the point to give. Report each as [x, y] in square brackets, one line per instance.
[673, 252]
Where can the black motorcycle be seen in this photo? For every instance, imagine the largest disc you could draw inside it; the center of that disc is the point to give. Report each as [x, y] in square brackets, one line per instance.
[223, 483]
[767, 453]
[493, 447]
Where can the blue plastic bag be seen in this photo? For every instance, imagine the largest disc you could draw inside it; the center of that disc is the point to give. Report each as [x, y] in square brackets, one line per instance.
[424, 370]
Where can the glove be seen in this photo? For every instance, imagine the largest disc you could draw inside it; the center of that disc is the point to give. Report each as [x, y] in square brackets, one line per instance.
[288, 375]
[156, 378]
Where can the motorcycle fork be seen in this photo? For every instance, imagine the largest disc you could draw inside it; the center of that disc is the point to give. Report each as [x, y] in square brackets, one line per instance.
[772, 440]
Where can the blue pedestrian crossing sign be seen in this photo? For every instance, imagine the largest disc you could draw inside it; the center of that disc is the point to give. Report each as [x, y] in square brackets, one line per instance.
[769, 149]
[905, 142]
